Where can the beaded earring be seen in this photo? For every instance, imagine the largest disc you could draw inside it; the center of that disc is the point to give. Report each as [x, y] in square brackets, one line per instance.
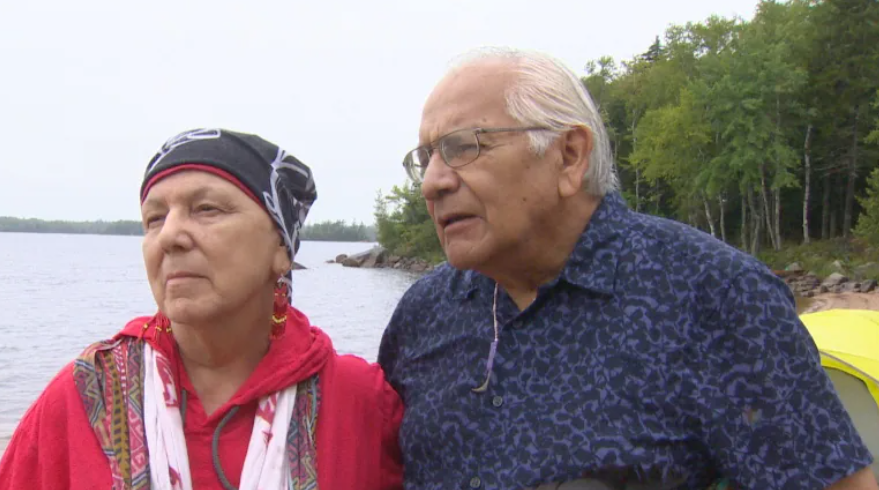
[279, 314]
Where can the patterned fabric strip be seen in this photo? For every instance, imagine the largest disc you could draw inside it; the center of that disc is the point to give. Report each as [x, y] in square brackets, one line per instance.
[301, 441]
[140, 460]
[110, 393]
[115, 379]
[109, 378]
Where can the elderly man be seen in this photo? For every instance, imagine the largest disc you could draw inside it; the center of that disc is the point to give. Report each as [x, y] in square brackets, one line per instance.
[572, 343]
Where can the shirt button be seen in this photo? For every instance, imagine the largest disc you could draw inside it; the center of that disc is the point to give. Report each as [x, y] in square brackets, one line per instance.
[497, 401]
[475, 482]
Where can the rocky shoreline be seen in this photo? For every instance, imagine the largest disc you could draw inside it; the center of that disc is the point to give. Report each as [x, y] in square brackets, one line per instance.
[379, 258]
[802, 283]
[808, 284]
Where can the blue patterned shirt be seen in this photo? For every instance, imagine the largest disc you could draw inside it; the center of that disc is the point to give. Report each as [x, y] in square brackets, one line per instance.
[659, 354]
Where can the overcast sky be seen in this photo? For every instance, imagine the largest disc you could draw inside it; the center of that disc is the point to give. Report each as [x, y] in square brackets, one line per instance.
[90, 89]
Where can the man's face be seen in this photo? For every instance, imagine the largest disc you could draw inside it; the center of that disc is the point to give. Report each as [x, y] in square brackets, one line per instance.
[485, 212]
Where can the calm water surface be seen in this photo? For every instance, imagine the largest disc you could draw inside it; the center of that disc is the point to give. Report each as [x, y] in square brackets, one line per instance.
[59, 293]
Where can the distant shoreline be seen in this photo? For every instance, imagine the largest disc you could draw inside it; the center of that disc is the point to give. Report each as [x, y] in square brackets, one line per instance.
[100, 227]
[68, 232]
[141, 234]
[330, 231]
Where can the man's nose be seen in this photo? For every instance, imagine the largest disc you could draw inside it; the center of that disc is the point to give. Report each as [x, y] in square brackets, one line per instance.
[439, 178]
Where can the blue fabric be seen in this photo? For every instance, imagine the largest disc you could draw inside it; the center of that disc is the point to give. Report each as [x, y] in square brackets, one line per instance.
[659, 353]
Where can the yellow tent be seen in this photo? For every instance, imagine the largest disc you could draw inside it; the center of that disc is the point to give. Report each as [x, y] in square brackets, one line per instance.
[849, 345]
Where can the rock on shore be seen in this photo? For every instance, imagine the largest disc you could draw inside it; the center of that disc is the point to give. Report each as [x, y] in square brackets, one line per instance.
[807, 284]
[802, 283]
[379, 258]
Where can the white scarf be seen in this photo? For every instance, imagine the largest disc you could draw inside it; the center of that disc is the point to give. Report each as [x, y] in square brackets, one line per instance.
[266, 464]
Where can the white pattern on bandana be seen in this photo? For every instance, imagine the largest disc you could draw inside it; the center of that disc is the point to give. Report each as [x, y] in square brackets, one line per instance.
[182, 139]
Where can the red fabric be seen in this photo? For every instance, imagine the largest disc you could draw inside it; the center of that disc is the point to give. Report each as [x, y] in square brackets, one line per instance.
[204, 168]
[358, 420]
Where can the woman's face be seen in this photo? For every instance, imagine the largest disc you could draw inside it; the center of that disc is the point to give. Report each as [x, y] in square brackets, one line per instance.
[208, 248]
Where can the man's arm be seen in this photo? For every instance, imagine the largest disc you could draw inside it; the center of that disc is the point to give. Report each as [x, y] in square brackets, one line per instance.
[768, 412]
[389, 348]
[862, 480]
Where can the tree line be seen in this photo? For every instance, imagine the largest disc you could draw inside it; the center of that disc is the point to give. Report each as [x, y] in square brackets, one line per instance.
[763, 123]
[30, 225]
[762, 132]
[322, 231]
[338, 231]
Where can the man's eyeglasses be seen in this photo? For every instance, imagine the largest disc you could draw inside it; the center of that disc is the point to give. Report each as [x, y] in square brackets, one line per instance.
[457, 149]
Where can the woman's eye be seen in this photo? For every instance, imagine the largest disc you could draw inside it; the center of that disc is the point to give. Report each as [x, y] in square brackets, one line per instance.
[153, 220]
[207, 208]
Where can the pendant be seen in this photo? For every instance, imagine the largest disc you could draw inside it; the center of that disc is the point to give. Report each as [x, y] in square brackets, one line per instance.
[488, 365]
[483, 387]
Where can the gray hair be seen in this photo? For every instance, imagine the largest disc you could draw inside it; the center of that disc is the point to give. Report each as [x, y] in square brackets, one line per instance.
[547, 93]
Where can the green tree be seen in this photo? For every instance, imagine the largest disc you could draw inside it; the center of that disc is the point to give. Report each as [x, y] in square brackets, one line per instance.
[868, 224]
[873, 137]
[756, 102]
[672, 146]
[404, 226]
[339, 231]
[845, 70]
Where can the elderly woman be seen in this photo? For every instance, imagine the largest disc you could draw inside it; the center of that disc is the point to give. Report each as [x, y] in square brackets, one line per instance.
[227, 386]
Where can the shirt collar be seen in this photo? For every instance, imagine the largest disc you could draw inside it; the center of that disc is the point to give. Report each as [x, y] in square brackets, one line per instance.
[593, 263]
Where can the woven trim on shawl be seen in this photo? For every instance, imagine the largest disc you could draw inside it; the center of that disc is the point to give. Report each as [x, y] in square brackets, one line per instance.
[301, 441]
[109, 378]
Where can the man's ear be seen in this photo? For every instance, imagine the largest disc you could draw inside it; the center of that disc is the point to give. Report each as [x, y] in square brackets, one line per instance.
[576, 149]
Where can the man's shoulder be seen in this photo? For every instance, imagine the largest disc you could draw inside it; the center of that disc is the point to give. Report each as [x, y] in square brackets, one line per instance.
[676, 264]
[682, 249]
[440, 284]
[430, 297]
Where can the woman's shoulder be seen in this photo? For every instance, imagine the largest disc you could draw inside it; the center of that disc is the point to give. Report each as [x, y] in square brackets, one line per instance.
[60, 391]
[359, 421]
[48, 415]
[54, 445]
[353, 370]
[358, 379]
[135, 327]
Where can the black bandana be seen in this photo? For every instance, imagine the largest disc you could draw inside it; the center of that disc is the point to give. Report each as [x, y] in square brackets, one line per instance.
[280, 182]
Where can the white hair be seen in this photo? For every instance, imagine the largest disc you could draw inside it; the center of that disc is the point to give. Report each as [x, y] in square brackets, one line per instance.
[547, 93]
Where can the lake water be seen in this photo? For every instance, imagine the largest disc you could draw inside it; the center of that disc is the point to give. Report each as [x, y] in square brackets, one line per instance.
[59, 293]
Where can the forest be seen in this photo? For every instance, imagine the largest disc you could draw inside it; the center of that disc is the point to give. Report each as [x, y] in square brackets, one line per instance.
[762, 132]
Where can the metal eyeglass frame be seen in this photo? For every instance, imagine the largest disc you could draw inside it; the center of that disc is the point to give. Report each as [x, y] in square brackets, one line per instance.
[412, 169]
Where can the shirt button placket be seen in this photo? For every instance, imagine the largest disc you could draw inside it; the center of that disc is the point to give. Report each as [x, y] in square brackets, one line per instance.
[497, 401]
[475, 482]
